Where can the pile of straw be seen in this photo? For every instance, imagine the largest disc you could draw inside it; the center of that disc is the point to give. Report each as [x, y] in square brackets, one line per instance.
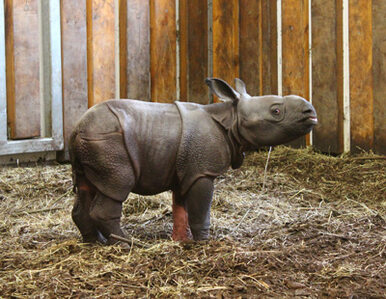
[312, 225]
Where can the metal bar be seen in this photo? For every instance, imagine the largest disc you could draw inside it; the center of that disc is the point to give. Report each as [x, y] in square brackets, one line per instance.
[3, 86]
[346, 78]
[44, 67]
[29, 146]
[56, 72]
[51, 89]
[279, 51]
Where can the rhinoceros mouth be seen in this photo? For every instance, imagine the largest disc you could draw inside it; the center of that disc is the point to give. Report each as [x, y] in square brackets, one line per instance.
[310, 119]
[313, 119]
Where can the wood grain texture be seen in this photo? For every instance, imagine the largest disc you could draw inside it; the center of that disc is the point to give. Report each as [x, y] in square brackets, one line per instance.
[138, 49]
[74, 64]
[22, 63]
[328, 135]
[194, 50]
[361, 76]
[295, 51]
[251, 45]
[269, 47]
[182, 39]
[226, 40]
[379, 75]
[198, 51]
[100, 50]
[123, 55]
[163, 50]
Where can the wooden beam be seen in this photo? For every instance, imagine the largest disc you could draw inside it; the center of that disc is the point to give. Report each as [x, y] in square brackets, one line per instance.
[74, 66]
[379, 75]
[100, 50]
[226, 39]
[194, 50]
[295, 51]
[163, 40]
[251, 45]
[328, 134]
[22, 64]
[136, 47]
[361, 76]
[269, 47]
[183, 35]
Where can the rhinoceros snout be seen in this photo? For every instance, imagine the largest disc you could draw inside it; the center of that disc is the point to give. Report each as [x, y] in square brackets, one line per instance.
[309, 113]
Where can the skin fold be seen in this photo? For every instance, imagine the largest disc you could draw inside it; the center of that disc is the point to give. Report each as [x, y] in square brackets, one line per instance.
[123, 146]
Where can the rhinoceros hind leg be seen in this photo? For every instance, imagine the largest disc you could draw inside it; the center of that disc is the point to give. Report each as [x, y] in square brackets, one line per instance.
[106, 214]
[198, 201]
[80, 211]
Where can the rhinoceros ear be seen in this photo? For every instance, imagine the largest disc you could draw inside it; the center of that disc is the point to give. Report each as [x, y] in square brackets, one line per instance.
[240, 87]
[221, 89]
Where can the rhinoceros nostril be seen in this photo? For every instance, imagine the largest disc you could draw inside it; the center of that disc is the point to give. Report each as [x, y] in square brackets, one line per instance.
[307, 111]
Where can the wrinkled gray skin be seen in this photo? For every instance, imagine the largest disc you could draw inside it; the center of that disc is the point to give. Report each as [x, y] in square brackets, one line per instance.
[124, 146]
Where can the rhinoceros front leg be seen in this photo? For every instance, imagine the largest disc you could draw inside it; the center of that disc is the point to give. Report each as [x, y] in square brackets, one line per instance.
[198, 201]
[106, 214]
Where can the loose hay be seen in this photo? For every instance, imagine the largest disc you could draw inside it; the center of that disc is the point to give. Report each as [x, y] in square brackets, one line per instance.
[316, 230]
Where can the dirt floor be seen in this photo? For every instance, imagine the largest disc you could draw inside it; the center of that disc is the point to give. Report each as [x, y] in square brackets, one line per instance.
[311, 226]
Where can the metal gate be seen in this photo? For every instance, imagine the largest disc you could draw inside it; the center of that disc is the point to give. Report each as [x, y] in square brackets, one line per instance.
[51, 118]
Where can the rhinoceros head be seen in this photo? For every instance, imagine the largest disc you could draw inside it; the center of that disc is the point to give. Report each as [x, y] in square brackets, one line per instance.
[266, 120]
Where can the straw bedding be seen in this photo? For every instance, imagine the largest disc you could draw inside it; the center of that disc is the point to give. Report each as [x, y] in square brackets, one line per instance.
[311, 225]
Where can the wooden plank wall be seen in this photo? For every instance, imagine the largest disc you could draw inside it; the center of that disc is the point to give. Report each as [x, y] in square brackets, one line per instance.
[135, 67]
[379, 74]
[295, 59]
[226, 39]
[74, 64]
[100, 50]
[162, 59]
[361, 76]
[193, 40]
[163, 37]
[327, 76]
[22, 64]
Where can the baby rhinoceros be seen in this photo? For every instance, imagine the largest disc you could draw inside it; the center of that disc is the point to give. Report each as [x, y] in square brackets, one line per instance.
[123, 146]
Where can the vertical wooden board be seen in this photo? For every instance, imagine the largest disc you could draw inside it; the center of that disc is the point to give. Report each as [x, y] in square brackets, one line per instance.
[269, 47]
[295, 51]
[329, 132]
[100, 50]
[361, 78]
[138, 49]
[251, 59]
[22, 63]
[379, 73]
[197, 58]
[226, 39]
[182, 39]
[74, 64]
[123, 46]
[163, 41]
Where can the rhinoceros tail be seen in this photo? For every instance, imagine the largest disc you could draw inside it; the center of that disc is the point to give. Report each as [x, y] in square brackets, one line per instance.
[76, 166]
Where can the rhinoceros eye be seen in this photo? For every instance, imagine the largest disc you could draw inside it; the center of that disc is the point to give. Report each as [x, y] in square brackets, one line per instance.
[277, 112]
